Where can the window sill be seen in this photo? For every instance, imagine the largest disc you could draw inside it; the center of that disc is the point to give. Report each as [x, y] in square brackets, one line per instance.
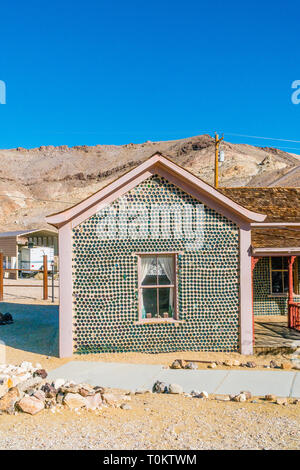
[153, 321]
[283, 295]
[278, 295]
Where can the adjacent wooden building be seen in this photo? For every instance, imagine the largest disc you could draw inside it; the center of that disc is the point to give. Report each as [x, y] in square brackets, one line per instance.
[11, 243]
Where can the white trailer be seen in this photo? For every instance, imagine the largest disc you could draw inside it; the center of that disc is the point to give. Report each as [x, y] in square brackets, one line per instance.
[32, 258]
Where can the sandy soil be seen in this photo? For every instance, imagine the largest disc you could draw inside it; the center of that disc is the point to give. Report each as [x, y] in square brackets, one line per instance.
[29, 291]
[155, 421]
[158, 422]
[16, 356]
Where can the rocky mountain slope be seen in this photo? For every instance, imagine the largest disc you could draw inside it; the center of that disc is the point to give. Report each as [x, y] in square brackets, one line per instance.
[36, 182]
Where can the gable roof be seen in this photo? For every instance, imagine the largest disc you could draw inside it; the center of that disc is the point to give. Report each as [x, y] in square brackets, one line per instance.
[163, 166]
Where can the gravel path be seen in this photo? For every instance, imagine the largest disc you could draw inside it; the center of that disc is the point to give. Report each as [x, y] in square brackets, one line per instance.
[158, 422]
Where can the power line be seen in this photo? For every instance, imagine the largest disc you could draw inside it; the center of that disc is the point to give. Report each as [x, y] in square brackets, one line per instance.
[289, 148]
[267, 138]
[260, 137]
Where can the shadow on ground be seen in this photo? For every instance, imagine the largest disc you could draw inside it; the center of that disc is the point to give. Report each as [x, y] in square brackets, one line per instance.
[269, 334]
[35, 328]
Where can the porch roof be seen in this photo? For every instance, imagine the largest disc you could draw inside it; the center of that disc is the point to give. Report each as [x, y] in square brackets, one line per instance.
[275, 237]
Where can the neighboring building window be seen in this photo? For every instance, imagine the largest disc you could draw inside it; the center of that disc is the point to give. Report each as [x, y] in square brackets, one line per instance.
[157, 286]
[280, 275]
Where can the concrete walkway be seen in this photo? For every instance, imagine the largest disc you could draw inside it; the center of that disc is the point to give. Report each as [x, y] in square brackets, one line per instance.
[133, 376]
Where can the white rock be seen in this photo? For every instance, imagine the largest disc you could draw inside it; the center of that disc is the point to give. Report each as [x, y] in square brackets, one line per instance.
[31, 405]
[74, 401]
[15, 380]
[70, 383]
[3, 389]
[222, 397]
[175, 389]
[24, 376]
[4, 377]
[26, 365]
[235, 362]
[58, 383]
[241, 397]
[93, 402]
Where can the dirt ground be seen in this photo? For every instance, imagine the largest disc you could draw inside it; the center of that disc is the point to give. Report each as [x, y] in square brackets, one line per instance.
[155, 421]
[158, 422]
[28, 290]
[16, 356]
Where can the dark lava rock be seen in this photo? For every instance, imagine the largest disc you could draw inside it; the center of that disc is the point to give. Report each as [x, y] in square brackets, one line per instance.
[40, 373]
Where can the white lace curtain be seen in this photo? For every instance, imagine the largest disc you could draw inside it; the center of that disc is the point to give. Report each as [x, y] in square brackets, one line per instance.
[167, 263]
[145, 268]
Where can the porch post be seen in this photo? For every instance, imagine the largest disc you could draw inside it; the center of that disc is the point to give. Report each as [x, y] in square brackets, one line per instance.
[291, 261]
[65, 291]
[246, 311]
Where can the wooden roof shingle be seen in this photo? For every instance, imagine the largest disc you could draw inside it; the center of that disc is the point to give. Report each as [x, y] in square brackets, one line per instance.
[280, 204]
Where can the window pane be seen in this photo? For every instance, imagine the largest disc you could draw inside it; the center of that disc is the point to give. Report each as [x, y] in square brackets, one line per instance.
[286, 281]
[277, 262]
[285, 262]
[149, 307]
[277, 282]
[166, 302]
[148, 270]
[166, 270]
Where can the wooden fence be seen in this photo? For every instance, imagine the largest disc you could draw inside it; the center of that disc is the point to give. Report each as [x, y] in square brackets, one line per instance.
[44, 285]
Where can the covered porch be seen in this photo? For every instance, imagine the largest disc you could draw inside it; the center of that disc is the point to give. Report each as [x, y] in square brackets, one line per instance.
[275, 288]
[276, 298]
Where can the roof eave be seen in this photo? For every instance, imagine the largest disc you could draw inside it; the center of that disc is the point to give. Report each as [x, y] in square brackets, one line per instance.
[271, 251]
[275, 224]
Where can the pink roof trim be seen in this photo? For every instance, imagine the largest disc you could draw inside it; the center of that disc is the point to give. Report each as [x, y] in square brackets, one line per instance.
[160, 165]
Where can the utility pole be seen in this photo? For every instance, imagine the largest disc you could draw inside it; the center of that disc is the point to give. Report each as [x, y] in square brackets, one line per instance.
[217, 145]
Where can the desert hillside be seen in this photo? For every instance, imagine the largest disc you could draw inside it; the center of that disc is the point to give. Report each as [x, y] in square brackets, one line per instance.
[36, 182]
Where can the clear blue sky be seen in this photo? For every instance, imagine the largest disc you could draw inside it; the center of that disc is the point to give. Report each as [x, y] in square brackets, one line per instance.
[114, 72]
